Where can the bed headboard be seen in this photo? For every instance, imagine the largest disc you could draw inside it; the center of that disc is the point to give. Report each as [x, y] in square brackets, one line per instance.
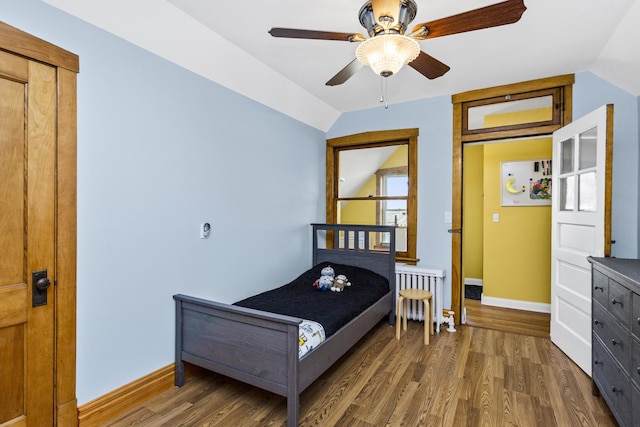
[369, 246]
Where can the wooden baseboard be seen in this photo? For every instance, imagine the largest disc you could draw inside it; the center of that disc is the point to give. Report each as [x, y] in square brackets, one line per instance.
[110, 406]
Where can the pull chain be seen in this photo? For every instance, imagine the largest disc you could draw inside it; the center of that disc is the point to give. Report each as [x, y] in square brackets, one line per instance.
[383, 92]
[386, 94]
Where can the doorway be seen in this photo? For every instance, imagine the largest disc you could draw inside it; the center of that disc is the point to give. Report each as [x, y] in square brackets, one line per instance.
[507, 229]
[466, 131]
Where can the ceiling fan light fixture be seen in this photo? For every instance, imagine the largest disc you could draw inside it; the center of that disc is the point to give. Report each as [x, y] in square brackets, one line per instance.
[387, 53]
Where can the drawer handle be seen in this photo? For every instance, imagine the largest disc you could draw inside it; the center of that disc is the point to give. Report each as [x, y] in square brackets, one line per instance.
[638, 369]
[638, 320]
[615, 389]
[597, 362]
[614, 301]
[596, 322]
[598, 288]
[614, 342]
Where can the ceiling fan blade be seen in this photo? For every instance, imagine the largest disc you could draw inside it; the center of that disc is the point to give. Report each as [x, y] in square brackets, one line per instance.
[293, 33]
[344, 74]
[388, 8]
[428, 66]
[495, 15]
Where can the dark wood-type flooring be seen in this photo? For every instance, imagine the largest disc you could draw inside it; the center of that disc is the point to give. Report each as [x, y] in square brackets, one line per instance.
[476, 376]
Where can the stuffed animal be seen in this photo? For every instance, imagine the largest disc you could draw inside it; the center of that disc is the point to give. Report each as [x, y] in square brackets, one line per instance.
[339, 283]
[323, 283]
[326, 279]
[328, 271]
[343, 278]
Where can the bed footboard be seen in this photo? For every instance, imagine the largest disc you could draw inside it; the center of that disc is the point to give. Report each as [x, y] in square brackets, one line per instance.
[252, 346]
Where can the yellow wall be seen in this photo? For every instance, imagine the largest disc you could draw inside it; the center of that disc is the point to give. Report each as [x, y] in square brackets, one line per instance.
[472, 211]
[517, 250]
[518, 117]
[364, 212]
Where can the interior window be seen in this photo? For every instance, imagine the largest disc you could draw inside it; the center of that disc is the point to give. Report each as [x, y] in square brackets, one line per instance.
[372, 179]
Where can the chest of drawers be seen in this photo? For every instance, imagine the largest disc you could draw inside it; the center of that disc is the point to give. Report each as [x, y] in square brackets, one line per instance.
[616, 335]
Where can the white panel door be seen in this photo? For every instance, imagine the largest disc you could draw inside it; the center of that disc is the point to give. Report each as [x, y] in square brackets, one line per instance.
[580, 227]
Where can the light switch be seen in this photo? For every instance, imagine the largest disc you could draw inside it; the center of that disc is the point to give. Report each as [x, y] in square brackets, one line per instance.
[496, 217]
[447, 217]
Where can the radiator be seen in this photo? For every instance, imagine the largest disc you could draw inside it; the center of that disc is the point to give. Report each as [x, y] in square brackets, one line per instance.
[410, 277]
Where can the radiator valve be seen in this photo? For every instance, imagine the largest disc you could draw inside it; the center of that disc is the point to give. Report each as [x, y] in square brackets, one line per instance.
[449, 319]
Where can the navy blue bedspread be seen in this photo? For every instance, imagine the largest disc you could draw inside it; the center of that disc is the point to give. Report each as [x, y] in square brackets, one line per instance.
[331, 309]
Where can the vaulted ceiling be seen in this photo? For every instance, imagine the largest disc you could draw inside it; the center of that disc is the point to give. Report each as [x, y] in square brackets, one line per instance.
[228, 42]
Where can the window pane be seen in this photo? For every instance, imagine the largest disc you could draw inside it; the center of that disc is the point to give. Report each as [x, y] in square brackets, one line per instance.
[588, 150]
[357, 168]
[377, 212]
[566, 149]
[587, 192]
[394, 212]
[357, 212]
[567, 202]
[396, 185]
[511, 113]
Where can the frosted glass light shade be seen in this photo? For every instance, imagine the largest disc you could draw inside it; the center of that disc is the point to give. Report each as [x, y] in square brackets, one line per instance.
[387, 53]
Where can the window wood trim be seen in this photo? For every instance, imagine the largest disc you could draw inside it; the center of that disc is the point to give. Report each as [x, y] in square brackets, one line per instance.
[378, 139]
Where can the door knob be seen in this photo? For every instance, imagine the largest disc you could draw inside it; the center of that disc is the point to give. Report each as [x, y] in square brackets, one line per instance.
[43, 284]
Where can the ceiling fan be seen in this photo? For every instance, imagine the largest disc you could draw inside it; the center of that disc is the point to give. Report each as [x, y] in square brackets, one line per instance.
[388, 48]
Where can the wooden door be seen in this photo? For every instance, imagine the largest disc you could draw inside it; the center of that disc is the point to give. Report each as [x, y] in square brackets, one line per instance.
[27, 239]
[581, 208]
[37, 230]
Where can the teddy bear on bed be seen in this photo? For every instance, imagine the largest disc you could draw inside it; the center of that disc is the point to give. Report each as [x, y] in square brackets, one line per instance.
[339, 283]
[326, 279]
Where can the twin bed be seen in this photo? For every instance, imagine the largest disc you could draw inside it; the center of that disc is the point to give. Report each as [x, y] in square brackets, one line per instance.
[258, 340]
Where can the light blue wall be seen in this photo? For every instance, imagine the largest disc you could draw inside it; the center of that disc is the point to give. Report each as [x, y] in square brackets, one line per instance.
[434, 118]
[589, 93]
[161, 150]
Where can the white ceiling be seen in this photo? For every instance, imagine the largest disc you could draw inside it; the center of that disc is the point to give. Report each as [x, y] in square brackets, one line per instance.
[228, 42]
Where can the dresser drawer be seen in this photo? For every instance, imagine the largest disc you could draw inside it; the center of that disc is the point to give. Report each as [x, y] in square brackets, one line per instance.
[619, 302]
[635, 315]
[612, 383]
[634, 369]
[600, 287]
[615, 337]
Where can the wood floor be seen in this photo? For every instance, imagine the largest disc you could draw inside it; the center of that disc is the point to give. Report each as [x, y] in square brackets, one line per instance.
[473, 377]
[505, 319]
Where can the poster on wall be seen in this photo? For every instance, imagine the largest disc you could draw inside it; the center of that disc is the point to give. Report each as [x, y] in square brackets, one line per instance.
[526, 182]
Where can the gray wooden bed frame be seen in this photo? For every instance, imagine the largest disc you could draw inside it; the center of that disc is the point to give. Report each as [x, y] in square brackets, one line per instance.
[261, 348]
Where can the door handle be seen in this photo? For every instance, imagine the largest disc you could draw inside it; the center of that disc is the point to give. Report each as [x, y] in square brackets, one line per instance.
[454, 230]
[40, 284]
